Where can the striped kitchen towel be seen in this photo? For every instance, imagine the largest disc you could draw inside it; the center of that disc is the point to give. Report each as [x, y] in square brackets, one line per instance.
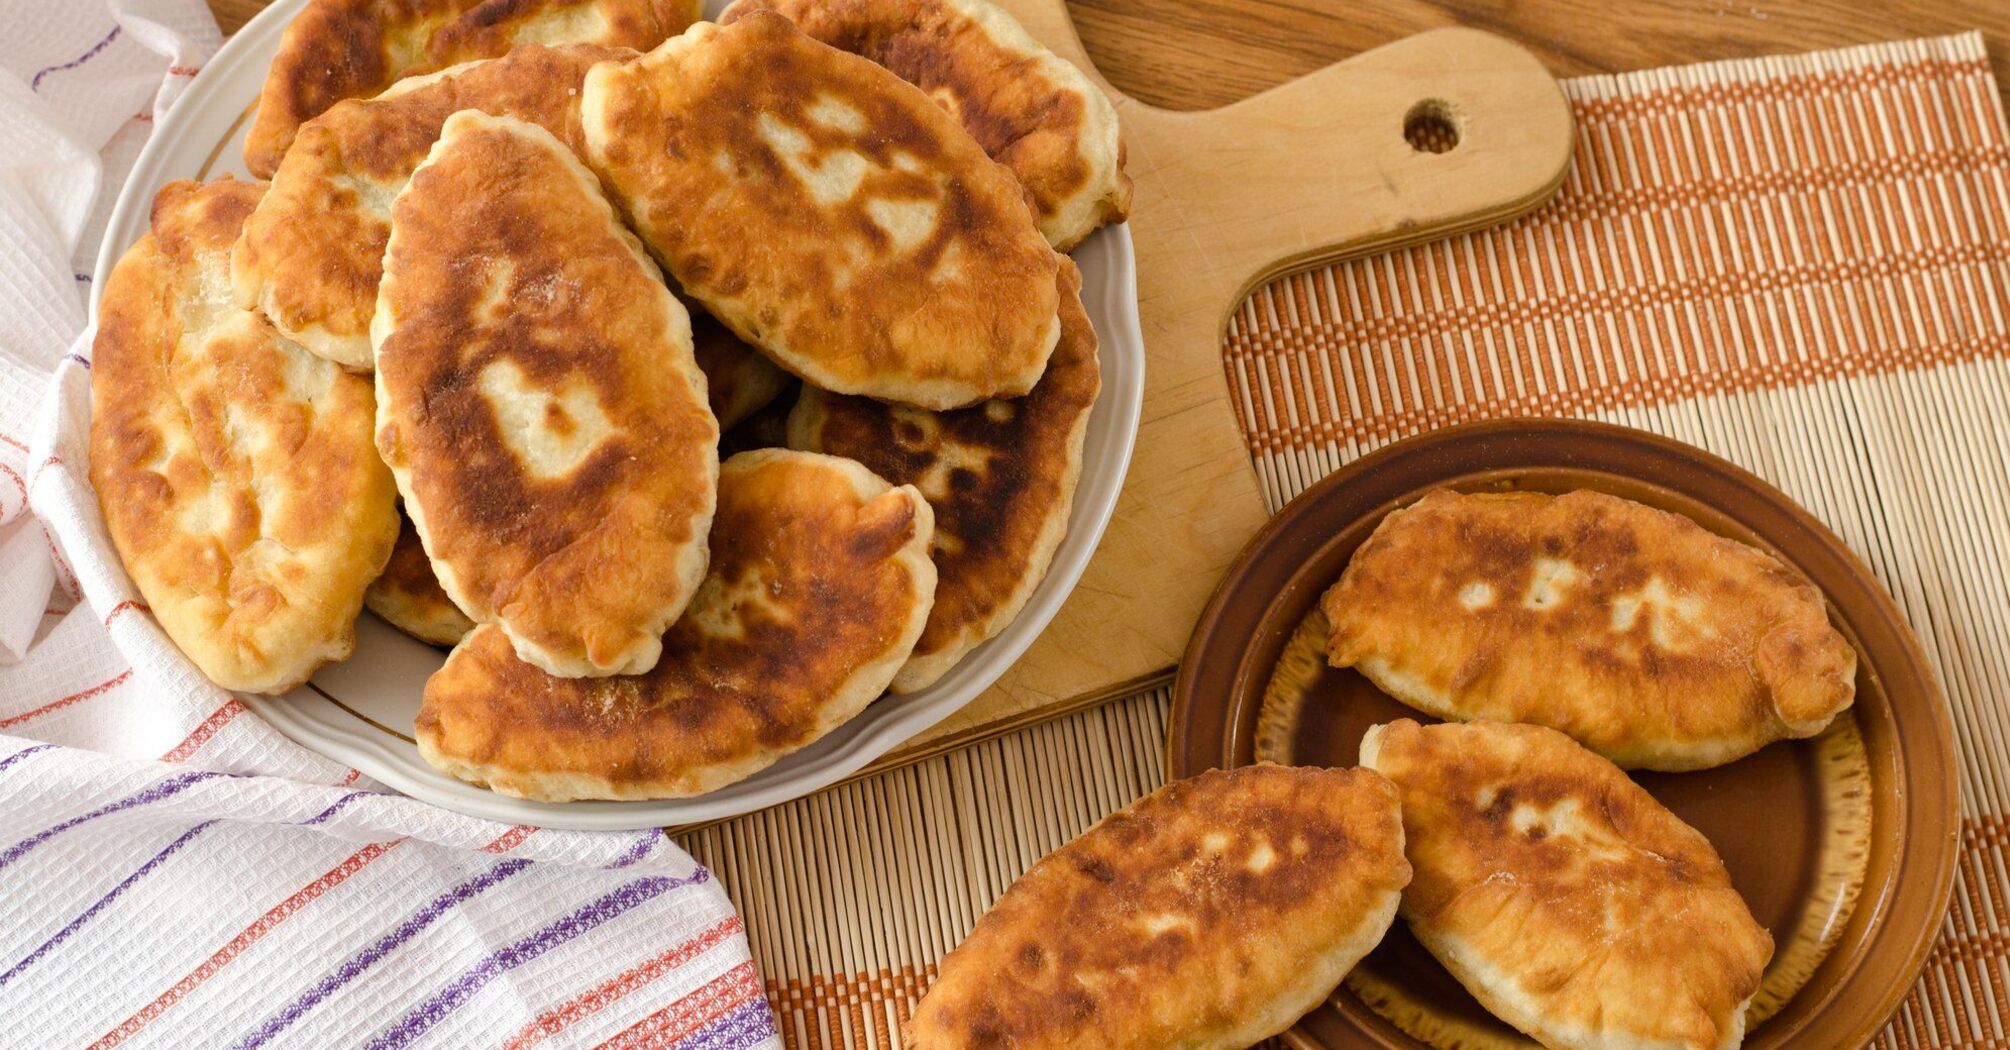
[175, 873]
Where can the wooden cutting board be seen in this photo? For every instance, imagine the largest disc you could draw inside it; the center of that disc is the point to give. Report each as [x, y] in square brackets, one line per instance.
[1313, 170]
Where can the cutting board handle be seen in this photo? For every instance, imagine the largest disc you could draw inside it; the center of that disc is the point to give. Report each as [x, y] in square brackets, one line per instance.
[1320, 167]
[1325, 166]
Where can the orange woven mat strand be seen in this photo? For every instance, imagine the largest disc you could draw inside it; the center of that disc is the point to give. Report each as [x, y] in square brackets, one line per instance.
[1801, 264]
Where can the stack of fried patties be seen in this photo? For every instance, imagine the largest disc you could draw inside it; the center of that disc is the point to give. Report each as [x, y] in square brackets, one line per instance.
[522, 290]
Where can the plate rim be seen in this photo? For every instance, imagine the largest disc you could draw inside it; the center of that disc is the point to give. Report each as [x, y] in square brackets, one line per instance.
[1917, 785]
[1090, 514]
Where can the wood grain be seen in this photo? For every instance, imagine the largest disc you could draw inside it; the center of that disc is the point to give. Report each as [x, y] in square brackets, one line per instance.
[1193, 54]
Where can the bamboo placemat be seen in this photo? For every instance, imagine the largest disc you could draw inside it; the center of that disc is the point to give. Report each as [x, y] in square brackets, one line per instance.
[1801, 264]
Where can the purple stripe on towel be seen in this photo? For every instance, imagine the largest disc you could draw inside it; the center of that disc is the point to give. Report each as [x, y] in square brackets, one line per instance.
[376, 951]
[750, 1025]
[21, 754]
[638, 851]
[35, 84]
[104, 902]
[340, 804]
[159, 791]
[424, 1016]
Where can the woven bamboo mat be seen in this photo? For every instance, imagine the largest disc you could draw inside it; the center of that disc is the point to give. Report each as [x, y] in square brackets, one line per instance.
[1801, 264]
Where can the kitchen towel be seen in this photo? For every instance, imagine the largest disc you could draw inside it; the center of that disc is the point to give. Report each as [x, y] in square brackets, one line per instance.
[1800, 263]
[173, 872]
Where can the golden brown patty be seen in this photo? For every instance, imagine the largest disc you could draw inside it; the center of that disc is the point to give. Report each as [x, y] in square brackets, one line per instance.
[1000, 475]
[1653, 642]
[343, 49]
[1567, 900]
[828, 213]
[539, 404]
[820, 583]
[1028, 107]
[409, 597]
[234, 469]
[1207, 915]
[313, 252]
[739, 381]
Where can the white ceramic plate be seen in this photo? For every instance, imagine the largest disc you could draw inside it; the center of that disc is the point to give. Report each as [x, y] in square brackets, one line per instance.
[360, 712]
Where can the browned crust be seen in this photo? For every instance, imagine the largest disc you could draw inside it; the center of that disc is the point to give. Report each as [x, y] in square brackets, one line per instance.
[539, 403]
[409, 597]
[739, 381]
[1668, 647]
[234, 470]
[312, 253]
[820, 582]
[1156, 927]
[1029, 109]
[708, 141]
[1001, 477]
[342, 49]
[1569, 901]
[765, 427]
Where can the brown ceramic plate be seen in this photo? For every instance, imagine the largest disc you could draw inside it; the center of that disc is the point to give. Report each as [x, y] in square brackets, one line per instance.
[1844, 846]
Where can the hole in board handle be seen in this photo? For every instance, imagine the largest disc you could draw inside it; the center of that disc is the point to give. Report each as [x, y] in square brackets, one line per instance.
[1430, 127]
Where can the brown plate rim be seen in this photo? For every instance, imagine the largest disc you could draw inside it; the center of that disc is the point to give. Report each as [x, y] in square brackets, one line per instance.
[1922, 877]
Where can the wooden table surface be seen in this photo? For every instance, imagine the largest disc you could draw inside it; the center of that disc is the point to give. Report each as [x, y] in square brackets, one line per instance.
[1194, 54]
